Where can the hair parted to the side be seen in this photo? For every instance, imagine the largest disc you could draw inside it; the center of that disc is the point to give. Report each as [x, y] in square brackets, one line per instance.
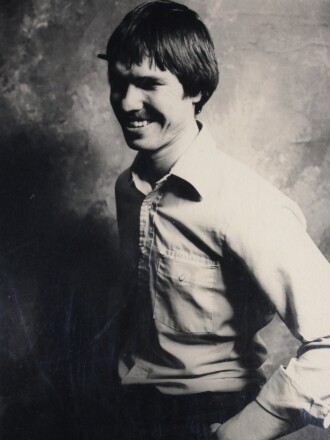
[174, 38]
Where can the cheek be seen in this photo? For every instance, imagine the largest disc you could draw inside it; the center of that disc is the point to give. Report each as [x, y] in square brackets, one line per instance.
[170, 106]
[116, 95]
[177, 103]
[177, 110]
[113, 98]
[114, 102]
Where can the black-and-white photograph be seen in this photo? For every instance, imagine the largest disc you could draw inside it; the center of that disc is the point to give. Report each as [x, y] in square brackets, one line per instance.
[165, 220]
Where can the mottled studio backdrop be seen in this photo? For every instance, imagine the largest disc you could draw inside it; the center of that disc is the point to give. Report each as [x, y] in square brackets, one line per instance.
[61, 151]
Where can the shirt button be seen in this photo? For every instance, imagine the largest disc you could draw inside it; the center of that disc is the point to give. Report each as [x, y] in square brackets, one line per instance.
[181, 277]
[144, 250]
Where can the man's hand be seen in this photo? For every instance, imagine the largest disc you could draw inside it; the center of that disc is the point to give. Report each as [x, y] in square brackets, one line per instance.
[214, 428]
[253, 423]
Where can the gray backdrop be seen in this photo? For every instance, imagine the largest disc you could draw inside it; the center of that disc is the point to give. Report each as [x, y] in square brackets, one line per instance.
[61, 151]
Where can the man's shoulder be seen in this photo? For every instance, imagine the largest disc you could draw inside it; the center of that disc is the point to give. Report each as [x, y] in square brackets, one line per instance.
[122, 181]
[231, 175]
[245, 192]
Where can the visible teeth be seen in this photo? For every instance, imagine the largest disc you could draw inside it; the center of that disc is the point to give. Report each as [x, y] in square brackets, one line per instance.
[137, 124]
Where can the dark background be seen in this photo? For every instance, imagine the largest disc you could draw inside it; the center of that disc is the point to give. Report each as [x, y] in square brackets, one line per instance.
[61, 151]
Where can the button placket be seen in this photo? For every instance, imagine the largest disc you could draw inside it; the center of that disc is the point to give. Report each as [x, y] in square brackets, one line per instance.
[143, 226]
[147, 212]
[155, 197]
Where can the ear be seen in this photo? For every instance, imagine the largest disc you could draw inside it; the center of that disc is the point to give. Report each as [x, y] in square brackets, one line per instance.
[196, 98]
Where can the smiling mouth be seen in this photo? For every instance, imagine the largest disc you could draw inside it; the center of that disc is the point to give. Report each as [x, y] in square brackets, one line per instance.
[138, 124]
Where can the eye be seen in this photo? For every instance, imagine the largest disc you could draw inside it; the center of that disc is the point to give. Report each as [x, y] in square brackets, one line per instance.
[147, 83]
[118, 83]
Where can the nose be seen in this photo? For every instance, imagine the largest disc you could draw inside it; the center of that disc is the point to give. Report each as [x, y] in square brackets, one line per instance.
[133, 99]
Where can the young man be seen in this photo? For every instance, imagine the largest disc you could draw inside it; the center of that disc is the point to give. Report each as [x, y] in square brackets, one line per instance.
[210, 252]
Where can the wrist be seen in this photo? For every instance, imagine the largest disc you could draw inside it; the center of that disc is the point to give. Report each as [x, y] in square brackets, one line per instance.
[253, 423]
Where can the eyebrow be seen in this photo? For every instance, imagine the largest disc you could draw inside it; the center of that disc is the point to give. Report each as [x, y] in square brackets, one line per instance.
[151, 79]
[148, 79]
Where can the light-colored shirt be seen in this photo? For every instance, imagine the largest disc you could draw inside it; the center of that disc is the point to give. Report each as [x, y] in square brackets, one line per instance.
[209, 254]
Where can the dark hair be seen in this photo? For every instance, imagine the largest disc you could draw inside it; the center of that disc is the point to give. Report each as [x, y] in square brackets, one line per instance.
[174, 38]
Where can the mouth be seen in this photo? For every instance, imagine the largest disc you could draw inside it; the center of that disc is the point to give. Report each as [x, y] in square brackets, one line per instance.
[137, 124]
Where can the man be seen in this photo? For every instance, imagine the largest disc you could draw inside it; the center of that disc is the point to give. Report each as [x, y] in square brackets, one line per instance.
[210, 252]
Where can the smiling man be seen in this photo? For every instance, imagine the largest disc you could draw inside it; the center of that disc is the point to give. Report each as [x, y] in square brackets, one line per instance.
[210, 251]
[151, 107]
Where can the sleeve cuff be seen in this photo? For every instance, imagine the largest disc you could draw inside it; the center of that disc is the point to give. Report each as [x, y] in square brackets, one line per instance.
[285, 399]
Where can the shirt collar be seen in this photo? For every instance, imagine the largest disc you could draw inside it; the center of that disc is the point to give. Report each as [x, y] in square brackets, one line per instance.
[195, 164]
[192, 167]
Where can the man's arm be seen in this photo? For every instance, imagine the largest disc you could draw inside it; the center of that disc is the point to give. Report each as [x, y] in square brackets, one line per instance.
[253, 423]
[295, 276]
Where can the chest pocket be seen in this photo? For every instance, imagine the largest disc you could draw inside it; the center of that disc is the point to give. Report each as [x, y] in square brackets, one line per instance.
[185, 294]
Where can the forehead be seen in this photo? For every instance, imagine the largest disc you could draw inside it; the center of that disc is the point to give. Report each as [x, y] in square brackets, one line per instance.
[146, 68]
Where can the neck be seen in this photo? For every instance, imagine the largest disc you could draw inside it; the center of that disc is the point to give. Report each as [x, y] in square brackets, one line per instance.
[159, 163]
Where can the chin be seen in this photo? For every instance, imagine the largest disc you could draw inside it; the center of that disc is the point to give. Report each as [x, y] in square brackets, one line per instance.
[143, 148]
[137, 144]
[133, 144]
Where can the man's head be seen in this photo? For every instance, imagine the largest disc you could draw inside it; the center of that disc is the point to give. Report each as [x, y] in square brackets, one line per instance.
[172, 37]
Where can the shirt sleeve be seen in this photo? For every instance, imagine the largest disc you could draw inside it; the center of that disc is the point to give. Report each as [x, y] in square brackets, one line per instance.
[272, 241]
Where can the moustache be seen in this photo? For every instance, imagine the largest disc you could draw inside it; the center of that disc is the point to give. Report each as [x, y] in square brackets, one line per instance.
[140, 115]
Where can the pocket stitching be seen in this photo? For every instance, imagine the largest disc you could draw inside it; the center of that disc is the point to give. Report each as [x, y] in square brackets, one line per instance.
[212, 266]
